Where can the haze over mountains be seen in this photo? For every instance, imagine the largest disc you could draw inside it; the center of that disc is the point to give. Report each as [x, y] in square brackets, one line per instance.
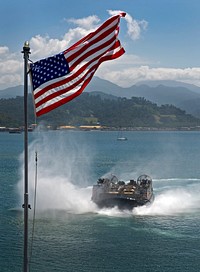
[182, 95]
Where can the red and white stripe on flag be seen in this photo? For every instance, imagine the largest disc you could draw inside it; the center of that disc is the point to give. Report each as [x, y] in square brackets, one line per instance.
[57, 80]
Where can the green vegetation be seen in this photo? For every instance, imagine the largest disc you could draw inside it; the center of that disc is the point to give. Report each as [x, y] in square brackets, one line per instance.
[90, 109]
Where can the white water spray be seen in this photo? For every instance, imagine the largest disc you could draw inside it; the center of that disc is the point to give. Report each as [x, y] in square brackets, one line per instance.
[63, 174]
[174, 197]
[182, 196]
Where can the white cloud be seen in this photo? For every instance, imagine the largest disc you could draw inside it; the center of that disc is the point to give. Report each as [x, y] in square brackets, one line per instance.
[42, 47]
[129, 70]
[125, 71]
[10, 80]
[4, 50]
[87, 23]
[11, 64]
[115, 12]
[11, 68]
[134, 26]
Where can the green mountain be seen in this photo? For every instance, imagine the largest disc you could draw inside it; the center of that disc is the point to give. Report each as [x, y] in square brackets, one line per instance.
[93, 109]
[181, 95]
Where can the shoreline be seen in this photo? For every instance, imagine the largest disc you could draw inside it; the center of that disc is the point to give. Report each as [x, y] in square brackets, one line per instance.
[93, 128]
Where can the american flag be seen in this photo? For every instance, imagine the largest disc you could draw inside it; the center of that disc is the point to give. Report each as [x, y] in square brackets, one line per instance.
[58, 79]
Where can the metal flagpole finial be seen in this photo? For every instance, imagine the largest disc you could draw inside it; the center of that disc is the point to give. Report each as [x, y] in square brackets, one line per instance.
[26, 49]
[26, 44]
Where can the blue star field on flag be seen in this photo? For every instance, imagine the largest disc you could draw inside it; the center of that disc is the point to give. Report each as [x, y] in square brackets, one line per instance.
[49, 69]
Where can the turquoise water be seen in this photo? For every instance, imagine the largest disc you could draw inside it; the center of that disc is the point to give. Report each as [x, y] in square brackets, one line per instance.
[71, 233]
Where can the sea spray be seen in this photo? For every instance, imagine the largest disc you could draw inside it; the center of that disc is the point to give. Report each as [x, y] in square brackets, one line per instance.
[65, 176]
[63, 173]
[173, 196]
[114, 212]
[181, 197]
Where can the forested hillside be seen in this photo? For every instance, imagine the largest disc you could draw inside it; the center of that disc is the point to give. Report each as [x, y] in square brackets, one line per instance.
[93, 109]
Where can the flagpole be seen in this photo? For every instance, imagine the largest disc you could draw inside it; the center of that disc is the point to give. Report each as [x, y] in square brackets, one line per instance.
[26, 52]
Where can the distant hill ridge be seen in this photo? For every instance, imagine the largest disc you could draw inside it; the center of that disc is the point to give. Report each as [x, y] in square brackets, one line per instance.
[182, 95]
[88, 109]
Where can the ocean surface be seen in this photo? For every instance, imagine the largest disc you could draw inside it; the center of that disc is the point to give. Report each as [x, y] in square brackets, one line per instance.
[70, 233]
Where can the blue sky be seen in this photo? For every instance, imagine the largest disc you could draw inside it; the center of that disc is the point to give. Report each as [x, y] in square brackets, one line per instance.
[163, 41]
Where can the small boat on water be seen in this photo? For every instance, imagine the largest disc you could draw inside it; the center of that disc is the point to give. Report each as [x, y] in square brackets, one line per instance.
[110, 192]
[15, 130]
[121, 137]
